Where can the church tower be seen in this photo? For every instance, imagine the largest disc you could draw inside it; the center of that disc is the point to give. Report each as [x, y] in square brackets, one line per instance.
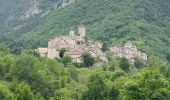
[82, 30]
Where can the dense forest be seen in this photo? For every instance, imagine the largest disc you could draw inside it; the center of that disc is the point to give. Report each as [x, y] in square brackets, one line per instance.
[26, 76]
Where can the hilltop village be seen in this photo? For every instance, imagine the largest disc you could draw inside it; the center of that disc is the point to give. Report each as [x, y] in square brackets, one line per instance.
[76, 45]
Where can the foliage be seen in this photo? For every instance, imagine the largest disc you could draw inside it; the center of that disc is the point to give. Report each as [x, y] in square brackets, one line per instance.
[139, 64]
[97, 89]
[73, 73]
[109, 55]
[62, 52]
[118, 74]
[88, 59]
[165, 70]
[113, 64]
[124, 64]
[66, 60]
[149, 84]
[23, 92]
[114, 94]
[31, 78]
[168, 57]
[3, 50]
[105, 47]
[5, 93]
[5, 65]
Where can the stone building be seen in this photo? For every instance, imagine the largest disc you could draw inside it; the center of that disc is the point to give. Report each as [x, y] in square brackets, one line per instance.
[75, 46]
[82, 31]
[42, 52]
[129, 51]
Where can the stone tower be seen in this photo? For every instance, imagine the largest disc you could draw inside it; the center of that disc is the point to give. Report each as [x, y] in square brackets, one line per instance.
[71, 33]
[82, 31]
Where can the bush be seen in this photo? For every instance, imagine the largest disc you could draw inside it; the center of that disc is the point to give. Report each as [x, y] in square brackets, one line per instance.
[105, 47]
[124, 64]
[139, 64]
[117, 74]
[88, 59]
[66, 60]
[62, 52]
[168, 57]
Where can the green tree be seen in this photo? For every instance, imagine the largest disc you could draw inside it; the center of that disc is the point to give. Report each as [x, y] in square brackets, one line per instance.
[24, 68]
[168, 57]
[97, 89]
[3, 50]
[149, 84]
[113, 64]
[109, 55]
[5, 93]
[139, 64]
[73, 73]
[88, 59]
[105, 47]
[66, 60]
[62, 52]
[165, 70]
[117, 74]
[23, 92]
[114, 94]
[27, 68]
[124, 64]
[5, 65]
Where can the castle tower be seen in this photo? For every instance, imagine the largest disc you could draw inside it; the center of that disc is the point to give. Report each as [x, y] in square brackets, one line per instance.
[71, 33]
[82, 31]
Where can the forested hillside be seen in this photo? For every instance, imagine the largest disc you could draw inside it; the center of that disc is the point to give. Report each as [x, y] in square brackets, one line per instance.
[112, 21]
[17, 17]
[28, 77]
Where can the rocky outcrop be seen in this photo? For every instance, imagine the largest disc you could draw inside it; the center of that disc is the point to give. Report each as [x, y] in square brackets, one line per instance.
[32, 11]
[67, 2]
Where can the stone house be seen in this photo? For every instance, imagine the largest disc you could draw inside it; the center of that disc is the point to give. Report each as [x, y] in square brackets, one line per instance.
[75, 46]
[42, 52]
[129, 51]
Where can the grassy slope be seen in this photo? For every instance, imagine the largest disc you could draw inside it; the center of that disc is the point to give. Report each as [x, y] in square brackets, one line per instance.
[113, 21]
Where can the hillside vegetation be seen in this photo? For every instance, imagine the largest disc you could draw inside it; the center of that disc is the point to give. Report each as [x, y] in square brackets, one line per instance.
[28, 77]
[112, 21]
[17, 17]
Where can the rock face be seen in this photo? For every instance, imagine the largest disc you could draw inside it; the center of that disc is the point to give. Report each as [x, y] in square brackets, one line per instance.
[32, 11]
[67, 2]
[129, 51]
